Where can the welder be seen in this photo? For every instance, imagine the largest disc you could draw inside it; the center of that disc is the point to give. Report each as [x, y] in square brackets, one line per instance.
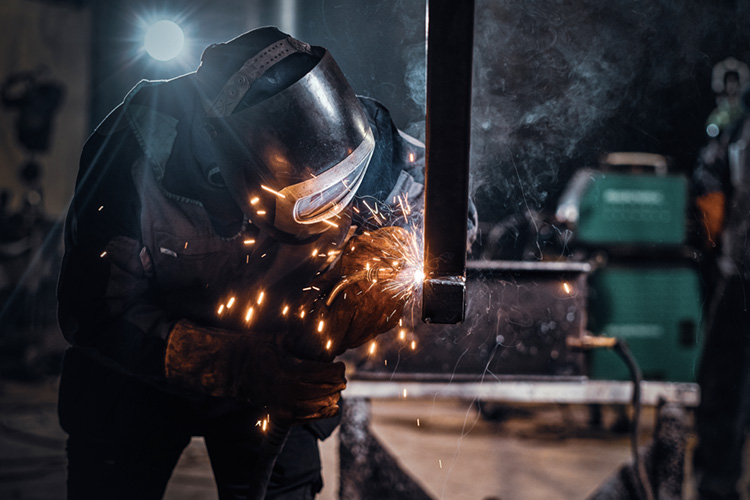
[722, 189]
[211, 214]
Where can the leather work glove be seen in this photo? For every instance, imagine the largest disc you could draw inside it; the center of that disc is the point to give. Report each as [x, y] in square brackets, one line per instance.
[252, 367]
[362, 305]
[711, 206]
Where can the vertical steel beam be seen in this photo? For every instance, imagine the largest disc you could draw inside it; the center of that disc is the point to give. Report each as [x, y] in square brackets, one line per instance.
[450, 43]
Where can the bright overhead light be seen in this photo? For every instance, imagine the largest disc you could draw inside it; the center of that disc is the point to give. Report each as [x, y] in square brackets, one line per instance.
[164, 40]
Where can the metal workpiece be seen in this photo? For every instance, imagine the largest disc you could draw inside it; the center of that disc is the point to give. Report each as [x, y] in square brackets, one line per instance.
[444, 300]
[519, 318]
[368, 470]
[448, 130]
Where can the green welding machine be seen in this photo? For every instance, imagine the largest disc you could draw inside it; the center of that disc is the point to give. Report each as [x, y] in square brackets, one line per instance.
[646, 290]
[657, 310]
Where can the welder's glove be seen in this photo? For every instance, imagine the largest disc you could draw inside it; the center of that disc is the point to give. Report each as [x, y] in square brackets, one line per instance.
[252, 367]
[362, 309]
[711, 206]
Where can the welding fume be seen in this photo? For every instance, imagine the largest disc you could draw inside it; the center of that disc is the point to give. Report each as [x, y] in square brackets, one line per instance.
[214, 216]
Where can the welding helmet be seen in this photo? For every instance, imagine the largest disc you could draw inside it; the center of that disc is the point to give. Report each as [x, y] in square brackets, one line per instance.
[290, 139]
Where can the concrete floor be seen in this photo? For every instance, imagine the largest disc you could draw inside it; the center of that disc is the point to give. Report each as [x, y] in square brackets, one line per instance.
[540, 452]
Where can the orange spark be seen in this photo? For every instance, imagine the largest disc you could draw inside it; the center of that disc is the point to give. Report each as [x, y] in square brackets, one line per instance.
[370, 208]
[272, 191]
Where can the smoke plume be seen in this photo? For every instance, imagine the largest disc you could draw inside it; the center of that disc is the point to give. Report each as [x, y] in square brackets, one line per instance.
[558, 83]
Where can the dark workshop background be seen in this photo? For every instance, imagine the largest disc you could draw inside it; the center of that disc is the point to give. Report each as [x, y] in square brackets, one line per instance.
[557, 84]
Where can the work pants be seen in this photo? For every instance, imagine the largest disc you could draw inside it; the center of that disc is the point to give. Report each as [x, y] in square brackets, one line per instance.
[126, 436]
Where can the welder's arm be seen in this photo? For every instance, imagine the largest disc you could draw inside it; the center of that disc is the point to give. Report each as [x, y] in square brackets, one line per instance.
[396, 175]
[109, 308]
[253, 368]
[359, 305]
[123, 329]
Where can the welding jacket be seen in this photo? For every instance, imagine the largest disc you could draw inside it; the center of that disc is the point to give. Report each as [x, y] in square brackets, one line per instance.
[149, 241]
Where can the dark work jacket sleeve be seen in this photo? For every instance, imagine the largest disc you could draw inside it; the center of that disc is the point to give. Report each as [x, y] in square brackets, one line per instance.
[395, 153]
[398, 167]
[104, 307]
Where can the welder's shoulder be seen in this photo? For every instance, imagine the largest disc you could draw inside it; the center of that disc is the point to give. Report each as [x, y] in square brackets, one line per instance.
[162, 96]
[143, 124]
[406, 152]
[375, 109]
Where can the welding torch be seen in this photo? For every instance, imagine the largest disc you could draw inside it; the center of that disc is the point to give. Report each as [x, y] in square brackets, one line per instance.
[373, 274]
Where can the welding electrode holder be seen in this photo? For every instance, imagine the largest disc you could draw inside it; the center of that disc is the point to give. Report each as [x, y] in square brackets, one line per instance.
[373, 275]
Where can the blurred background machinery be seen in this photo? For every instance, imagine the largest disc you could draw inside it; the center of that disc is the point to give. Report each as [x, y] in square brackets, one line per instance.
[30, 241]
[630, 217]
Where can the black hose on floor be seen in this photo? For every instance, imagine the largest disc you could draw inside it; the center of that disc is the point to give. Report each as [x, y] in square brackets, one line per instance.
[620, 347]
[622, 350]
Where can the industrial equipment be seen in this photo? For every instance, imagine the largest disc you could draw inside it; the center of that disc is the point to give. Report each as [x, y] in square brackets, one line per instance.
[630, 216]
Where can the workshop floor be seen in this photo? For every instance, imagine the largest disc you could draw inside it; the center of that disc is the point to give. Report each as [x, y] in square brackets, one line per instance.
[539, 452]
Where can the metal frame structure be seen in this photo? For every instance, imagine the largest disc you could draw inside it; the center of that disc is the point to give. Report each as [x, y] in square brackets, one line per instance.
[552, 391]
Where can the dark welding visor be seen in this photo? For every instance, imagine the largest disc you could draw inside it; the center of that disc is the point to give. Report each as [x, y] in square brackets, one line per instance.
[296, 159]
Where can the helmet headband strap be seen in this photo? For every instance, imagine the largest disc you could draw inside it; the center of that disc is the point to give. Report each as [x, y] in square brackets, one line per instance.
[238, 85]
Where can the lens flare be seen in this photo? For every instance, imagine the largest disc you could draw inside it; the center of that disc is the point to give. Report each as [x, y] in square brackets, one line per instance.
[164, 40]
